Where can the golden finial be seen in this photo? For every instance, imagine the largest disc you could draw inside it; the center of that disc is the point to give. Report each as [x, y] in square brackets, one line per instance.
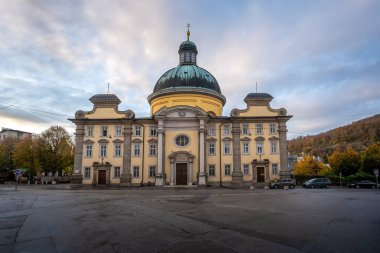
[188, 31]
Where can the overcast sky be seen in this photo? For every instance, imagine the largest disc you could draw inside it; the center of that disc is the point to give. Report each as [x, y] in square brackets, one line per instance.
[318, 59]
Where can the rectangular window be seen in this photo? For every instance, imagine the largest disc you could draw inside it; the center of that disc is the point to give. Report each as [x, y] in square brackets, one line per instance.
[137, 130]
[89, 131]
[245, 129]
[103, 150]
[211, 130]
[259, 148]
[153, 131]
[226, 129]
[246, 169]
[88, 150]
[87, 172]
[152, 149]
[211, 148]
[227, 170]
[273, 147]
[118, 131]
[211, 170]
[136, 149]
[259, 128]
[116, 172]
[136, 171]
[152, 171]
[104, 131]
[274, 169]
[272, 128]
[227, 150]
[117, 150]
[245, 148]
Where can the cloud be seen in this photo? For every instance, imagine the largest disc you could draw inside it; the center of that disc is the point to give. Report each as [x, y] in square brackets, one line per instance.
[319, 59]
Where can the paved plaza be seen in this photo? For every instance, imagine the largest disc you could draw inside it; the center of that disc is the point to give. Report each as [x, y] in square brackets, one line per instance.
[51, 218]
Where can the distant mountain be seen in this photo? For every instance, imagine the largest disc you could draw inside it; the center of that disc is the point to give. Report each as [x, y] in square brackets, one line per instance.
[359, 135]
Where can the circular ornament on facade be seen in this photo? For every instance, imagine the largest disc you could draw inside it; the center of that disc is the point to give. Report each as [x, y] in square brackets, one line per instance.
[182, 140]
[129, 114]
[79, 114]
[283, 112]
[235, 113]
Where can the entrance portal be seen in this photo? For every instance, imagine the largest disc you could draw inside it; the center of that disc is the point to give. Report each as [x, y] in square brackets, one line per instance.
[181, 174]
[260, 175]
[101, 177]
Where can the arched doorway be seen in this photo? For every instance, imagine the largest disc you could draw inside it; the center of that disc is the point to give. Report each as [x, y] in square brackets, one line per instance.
[260, 173]
[102, 173]
[181, 168]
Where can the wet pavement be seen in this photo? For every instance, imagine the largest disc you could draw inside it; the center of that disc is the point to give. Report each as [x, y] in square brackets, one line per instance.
[56, 218]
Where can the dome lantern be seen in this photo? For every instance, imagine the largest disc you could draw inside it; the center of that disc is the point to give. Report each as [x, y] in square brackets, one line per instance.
[188, 51]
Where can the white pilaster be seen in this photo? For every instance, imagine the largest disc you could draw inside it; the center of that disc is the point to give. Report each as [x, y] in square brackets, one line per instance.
[190, 176]
[159, 176]
[172, 172]
[202, 174]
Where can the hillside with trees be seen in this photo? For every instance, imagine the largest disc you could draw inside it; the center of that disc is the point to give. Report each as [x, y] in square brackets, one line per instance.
[358, 135]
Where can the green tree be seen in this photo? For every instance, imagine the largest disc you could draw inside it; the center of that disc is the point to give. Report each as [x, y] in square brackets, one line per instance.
[55, 150]
[347, 162]
[371, 159]
[7, 147]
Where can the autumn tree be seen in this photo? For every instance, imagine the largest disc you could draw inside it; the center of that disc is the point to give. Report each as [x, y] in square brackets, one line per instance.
[371, 159]
[55, 151]
[25, 154]
[309, 166]
[347, 162]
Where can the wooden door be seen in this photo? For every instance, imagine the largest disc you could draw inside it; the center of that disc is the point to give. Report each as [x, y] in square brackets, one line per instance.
[260, 174]
[101, 177]
[181, 174]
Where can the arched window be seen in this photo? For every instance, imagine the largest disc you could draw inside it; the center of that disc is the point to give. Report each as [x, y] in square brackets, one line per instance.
[187, 56]
[193, 59]
[182, 57]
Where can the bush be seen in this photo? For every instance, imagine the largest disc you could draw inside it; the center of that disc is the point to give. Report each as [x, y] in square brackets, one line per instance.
[360, 176]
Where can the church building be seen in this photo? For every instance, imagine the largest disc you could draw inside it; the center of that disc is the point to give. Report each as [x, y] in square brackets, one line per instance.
[186, 140]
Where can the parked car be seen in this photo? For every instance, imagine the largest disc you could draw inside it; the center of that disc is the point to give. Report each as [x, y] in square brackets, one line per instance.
[317, 183]
[362, 184]
[281, 183]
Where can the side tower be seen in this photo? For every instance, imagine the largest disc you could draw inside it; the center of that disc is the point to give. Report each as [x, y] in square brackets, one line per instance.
[261, 132]
[103, 142]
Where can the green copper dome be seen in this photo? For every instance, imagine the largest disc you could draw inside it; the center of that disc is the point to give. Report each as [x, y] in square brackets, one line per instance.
[187, 75]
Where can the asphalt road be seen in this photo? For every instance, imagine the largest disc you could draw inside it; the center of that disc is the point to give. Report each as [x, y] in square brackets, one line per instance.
[56, 219]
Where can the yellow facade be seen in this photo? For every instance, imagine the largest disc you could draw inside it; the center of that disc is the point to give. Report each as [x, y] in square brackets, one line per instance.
[207, 103]
[186, 141]
[258, 111]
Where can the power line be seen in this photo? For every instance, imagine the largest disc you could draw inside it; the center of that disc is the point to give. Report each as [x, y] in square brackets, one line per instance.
[39, 115]
[48, 112]
[5, 107]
